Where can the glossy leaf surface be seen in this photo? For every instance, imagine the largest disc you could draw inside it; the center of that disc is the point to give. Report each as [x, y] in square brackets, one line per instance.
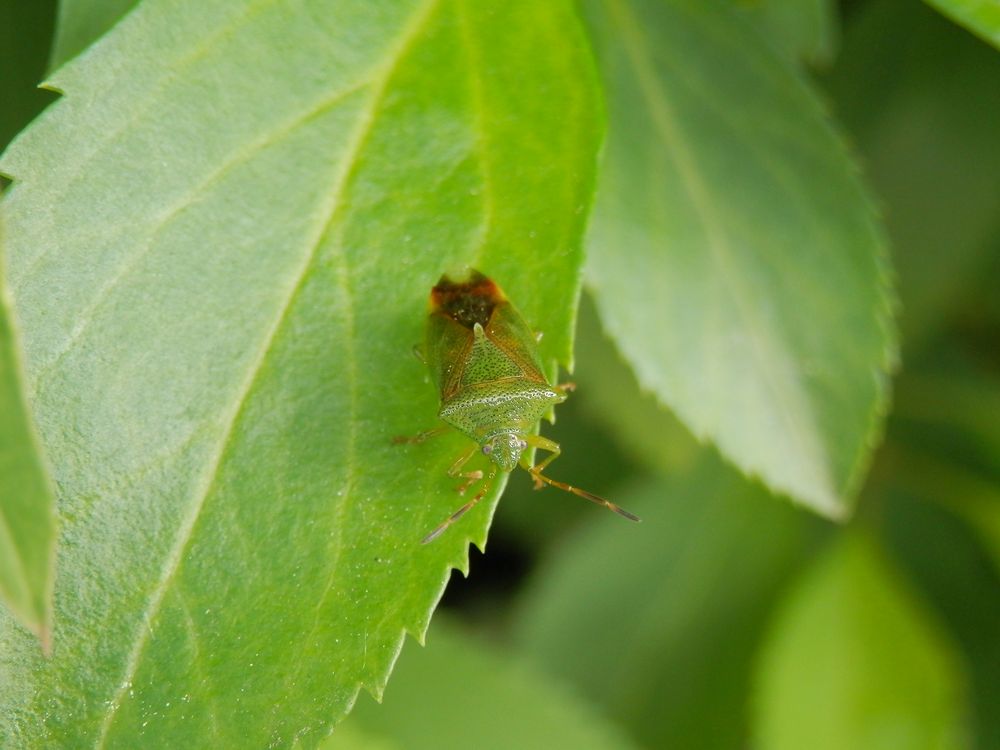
[220, 246]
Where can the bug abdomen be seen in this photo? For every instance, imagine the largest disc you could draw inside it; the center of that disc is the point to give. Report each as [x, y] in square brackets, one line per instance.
[513, 405]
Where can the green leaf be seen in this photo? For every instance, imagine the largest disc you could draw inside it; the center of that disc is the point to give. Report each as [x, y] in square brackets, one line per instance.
[608, 390]
[925, 126]
[734, 254]
[27, 518]
[221, 244]
[981, 17]
[853, 661]
[459, 693]
[659, 622]
[957, 577]
[27, 514]
[947, 442]
[801, 29]
[82, 22]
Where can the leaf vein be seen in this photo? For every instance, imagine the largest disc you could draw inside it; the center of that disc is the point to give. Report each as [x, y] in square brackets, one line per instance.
[639, 53]
[111, 137]
[173, 562]
[198, 659]
[238, 158]
[417, 24]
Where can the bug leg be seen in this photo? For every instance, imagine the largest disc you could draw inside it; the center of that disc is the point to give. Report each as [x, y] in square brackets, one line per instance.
[471, 477]
[460, 512]
[587, 496]
[537, 441]
[564, 389]
[420, 437]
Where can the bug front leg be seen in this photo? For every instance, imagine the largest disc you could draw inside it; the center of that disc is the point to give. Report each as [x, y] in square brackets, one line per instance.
[471, 477]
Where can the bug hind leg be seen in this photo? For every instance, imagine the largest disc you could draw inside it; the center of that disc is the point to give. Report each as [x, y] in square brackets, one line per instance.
[537, 441]
[420, 436]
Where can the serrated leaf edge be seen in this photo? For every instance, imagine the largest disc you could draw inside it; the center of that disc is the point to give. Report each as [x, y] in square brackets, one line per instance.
[887, 305]
[357, 141]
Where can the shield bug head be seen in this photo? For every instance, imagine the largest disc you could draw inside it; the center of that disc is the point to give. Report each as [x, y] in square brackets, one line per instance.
[484, 359]
[505, 449]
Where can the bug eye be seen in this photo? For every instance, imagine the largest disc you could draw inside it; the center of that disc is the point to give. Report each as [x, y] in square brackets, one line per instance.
[522, 444]
[487, 449]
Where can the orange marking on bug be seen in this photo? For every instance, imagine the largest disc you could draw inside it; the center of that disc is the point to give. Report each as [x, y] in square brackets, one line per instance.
[467, 302]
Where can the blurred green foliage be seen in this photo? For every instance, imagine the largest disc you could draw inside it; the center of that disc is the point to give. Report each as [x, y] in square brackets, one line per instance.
[25, 35]
[729, 618]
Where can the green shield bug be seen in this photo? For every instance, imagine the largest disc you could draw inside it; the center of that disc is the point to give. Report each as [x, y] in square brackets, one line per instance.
[484, 359]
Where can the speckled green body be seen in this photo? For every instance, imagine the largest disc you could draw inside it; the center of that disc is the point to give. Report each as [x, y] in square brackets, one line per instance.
[498, 401]
[485, 363]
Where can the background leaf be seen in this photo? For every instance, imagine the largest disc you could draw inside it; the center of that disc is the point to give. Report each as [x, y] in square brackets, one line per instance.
[805, 30]
[459, 693]
[81, 22]
[649, 433]
[981, 17]
[949, 441]
[734, 255]
[920, 98]
[853, 661]
[221, 242]
[959, 579]
[659, 623]
[27, 515]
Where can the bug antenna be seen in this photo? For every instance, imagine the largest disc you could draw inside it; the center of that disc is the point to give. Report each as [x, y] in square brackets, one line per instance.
[587, 496]
[461, 511]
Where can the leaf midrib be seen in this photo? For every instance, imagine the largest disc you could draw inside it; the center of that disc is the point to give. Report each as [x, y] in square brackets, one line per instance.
[239, 157]
[638, 52]
[380, 78]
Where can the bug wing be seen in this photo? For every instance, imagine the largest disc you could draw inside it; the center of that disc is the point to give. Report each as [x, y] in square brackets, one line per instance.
[447, 349]
[510, 333]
